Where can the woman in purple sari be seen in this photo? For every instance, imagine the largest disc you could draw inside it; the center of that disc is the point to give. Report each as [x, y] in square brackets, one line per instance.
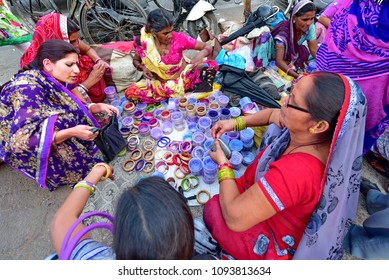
[45, 130]
[357, 45]
[290, 35]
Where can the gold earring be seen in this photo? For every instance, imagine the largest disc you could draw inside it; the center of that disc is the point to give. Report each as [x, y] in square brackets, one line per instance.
[311, 130]
[294, 21]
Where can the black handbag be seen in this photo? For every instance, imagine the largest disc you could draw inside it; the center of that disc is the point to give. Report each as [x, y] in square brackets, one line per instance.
[110, 141]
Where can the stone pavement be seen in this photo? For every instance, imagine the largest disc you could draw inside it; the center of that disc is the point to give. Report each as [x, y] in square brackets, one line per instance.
[26, 210]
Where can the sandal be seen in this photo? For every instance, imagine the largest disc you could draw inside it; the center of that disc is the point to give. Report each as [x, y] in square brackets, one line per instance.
[380, 164]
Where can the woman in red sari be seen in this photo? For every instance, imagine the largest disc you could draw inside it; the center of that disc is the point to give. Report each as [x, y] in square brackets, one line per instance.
[90, 82]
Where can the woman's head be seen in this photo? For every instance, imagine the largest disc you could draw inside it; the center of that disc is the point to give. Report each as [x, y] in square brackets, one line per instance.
[59, 59]
[73, 30]
[303, 15]
[316, 101]
[153, 221]
[160, 25]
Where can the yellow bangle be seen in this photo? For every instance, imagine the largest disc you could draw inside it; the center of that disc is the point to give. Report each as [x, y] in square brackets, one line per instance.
[198, 196]
[107, 167]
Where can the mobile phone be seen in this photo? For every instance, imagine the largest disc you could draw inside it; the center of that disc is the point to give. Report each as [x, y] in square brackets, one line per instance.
[94, 130]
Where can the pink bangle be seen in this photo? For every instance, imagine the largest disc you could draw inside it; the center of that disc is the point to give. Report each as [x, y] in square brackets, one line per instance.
[287, 71]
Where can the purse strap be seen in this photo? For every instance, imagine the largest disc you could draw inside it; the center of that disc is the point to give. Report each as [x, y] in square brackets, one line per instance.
[69, 245]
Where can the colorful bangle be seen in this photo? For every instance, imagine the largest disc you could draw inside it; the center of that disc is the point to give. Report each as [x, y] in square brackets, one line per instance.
[148, 167]
[173, 146]
[89, 105]
[179, 176]
[202, 192]
[184, 169]
[168, 157]
[148, 155]
[133, 155]
[149, 144]
[134, 130]
[197, 181]
[153, 122]
[107, 167]
[239, 123]
[86, 185]
[225, 165]
[132, 166]
[129, 107]
[139, 165]
[163, 142]
[159, 154]
[225, 173]
[165, 115]
[171, 180]
[186, 147]
[162, 164]
[150, 109]
[186, 184]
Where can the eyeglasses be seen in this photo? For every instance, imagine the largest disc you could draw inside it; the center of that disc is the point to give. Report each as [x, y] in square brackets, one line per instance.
[288, 105]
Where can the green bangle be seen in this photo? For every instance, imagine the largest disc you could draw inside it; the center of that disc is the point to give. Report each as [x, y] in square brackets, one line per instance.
[186, 184]
[193, 186]
[85, 186]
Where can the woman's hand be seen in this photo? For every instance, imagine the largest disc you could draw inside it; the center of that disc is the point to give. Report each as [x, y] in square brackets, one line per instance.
[84, 132]
[96, 74]
[147, 73]
[104, 108]
[218, 156]
[222, 126]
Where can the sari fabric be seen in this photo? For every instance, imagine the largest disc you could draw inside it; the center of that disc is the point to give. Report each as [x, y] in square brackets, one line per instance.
[295, 54]
[152, 91]
[54, 26]
[33, 106]
[357, 45]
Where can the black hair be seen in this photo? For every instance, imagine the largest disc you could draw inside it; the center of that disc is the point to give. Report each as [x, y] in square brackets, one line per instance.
[53, 50]
[72, 26]
[157, 20]
[306, 8]
[153, 221]
[326, 98]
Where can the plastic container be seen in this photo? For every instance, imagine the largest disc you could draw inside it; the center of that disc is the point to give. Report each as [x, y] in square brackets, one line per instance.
[111, 93]
[141, 106]
[196, 166]
[246, 135]
[214, 116]
[235, 145]
[225, 114]
[198, 138]
[235, 112]
[236, 160]
[225, 138]
[248, 158]
[127, 121]
[204, 123]
[167, 127]
[209, 166]
[198, 152]
[207, 144]
[248, 145]
[156, 133]
[233, 135]
[223, 101]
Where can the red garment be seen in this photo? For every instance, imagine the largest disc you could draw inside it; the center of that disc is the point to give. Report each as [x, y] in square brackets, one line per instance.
[54, 26]
[292, 189]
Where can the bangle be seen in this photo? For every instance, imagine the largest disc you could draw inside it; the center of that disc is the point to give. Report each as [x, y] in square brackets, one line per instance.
[134, 130]
[159, 154]
[89, 105]
[185, 147]
[139, 165]
[162, 164]
[171, 180]
[197, 181]
[203, 192]
[148, 155]
[97, 60]
[287, 71]
[54, 136]
[168, 157]
[186, 184]
[132, 166]
[136, 154]
[83, 87]
[86, 185]
[106, 167]
[239, 123]
[148, 167]
[149, 144]
[225, 173]
[225, 165]
[184, 169]
[179, 176]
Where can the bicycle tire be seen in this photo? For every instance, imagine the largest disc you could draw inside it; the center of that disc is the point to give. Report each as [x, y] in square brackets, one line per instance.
[39, 8]
[107, 21]
[284, 5]
[168, 4]
[208, 20]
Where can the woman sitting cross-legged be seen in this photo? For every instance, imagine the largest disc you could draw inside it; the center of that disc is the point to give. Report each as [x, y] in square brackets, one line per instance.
[160, 57]
[45, 130]
[299, 197]
[289, 36]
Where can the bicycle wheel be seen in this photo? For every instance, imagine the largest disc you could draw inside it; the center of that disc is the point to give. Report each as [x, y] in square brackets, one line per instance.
[168, 4]
[104, 21]
[284, 5]
[30, 11]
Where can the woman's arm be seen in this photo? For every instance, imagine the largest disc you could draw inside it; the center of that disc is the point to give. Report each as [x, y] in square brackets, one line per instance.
[203, 51]
[312, 45]
[73, 206]
[260, 118]
[137, 61]
[281, 63]
[324, 20]
[80, 131]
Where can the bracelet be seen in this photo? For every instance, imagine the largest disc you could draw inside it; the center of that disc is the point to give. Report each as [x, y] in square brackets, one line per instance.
[224, 165]
[134, 130]
[287, 71]
[86, 185]
[89, 105]
[239, 123]
[159, 154]
[186, 184]
[132, 166]
[171, 180]
[136, 157]
[225, 173]
[97, 60]
[106, 167]
[168, 157]
[196, 184]
[184, 169]
[148, 155]
[162, 164]
[148, 167]
[139, 165]
[203, 192]
[182, 175]
[163, 142]
[149, 144]
[83, 87]
[186, 147]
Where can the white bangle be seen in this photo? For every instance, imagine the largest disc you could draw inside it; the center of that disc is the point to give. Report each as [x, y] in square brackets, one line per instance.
[89, 105]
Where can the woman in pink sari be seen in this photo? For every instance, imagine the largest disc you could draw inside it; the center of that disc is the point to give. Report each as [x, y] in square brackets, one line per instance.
[160, 55]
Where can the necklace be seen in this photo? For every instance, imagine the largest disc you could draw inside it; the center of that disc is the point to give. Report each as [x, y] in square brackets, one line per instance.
[303, 145]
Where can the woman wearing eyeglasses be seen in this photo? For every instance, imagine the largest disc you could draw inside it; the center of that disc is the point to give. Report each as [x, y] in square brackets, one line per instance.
[297, 199]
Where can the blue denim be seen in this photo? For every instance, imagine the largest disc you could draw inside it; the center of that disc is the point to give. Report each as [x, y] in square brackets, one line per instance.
[371, 241]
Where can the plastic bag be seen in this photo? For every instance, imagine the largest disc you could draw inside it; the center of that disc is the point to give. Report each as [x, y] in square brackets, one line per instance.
[235, 60]
[246, 52]
[12, 32]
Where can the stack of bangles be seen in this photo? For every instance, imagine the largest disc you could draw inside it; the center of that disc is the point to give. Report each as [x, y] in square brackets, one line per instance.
[132, 142]
[130, 107]
[149, 144]
[166, 116]
[86, 185]
[225, 171]
[239, 123]
[138, 162]
[163, 142]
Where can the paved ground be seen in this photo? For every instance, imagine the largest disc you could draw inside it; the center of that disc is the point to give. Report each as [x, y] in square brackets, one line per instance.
[26, 210]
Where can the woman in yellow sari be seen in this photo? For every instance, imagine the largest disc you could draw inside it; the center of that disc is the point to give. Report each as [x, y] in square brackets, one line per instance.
[159, 54]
